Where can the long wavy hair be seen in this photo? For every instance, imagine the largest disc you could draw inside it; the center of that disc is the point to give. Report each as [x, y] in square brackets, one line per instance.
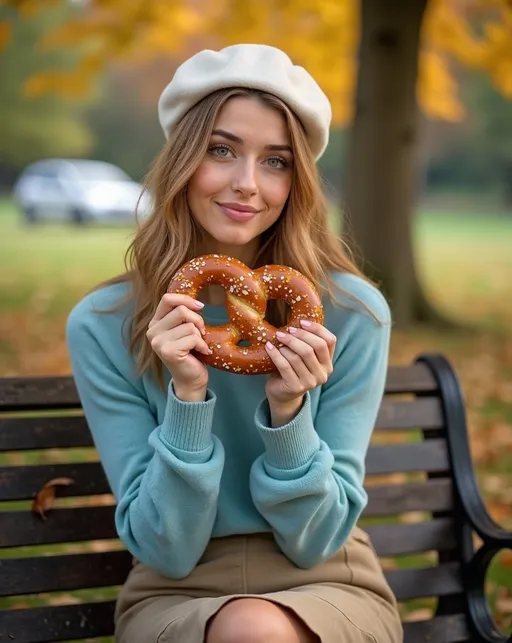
[170, 235]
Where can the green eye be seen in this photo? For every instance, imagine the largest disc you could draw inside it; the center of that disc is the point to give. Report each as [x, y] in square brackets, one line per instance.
[277, 163]
[220, 150]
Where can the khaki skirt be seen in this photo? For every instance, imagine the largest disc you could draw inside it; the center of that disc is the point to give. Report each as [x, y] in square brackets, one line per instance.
[343, 600]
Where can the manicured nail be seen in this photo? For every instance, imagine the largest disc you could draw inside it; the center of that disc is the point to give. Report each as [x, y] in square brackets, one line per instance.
[280, 334]
[203, 331]
[269, 346]
[292, 330]
[305, 323]
[199, 304]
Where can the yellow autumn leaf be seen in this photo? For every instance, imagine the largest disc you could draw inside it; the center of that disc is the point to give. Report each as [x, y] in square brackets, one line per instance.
[322, 35]
[5, 34]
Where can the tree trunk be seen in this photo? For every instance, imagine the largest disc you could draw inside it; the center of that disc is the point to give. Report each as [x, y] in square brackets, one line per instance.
[382, 172]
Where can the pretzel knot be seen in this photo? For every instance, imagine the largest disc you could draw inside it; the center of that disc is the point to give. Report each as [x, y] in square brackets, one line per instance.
[247, 292]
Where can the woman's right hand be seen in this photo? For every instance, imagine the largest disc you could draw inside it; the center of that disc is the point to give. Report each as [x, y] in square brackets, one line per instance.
[176, 329]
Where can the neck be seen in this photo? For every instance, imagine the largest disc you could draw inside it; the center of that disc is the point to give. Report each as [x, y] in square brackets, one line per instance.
[246, 253]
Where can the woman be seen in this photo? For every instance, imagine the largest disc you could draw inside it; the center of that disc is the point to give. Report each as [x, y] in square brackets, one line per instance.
[238, 496]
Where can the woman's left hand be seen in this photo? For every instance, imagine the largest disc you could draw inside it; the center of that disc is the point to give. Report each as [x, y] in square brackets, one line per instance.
[303, 363]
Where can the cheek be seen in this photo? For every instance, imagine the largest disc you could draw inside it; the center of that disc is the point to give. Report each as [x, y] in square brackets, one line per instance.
[206, 180]
[279, 191]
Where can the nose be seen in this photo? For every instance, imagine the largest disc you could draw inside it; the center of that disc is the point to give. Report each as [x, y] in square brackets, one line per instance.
[244, 179]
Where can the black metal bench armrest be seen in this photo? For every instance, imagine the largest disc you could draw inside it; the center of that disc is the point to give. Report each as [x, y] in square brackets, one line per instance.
[475, 515]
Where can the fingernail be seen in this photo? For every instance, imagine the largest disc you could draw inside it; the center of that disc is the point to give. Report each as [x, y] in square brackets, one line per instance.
[269, 346]
[305, 323]
[280, 334]
[203, 331]
[292, 330]
[199, 304]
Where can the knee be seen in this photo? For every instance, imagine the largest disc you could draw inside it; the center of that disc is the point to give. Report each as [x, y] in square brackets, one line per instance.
[251, 620]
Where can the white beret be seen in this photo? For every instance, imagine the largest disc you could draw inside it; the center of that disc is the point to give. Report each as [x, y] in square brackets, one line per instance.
[249, 66]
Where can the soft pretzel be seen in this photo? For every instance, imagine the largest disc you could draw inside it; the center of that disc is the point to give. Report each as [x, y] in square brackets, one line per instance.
[247, 292]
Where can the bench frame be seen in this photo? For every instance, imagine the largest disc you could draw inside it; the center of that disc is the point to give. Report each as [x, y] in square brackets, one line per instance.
[473, 515]
[469, 512]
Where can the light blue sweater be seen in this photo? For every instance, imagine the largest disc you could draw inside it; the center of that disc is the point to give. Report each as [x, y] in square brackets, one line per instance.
[184, 472]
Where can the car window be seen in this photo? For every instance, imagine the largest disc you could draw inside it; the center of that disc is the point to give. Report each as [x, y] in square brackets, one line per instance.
[100, 172]
[45, 171]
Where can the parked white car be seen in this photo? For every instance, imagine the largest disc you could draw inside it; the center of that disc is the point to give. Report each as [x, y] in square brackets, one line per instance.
[79, 191]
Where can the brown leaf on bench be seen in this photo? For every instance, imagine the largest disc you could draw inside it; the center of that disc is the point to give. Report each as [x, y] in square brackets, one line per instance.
[46, 495]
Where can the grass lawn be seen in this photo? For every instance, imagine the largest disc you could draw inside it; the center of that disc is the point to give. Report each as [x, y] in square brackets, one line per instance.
[464, 260]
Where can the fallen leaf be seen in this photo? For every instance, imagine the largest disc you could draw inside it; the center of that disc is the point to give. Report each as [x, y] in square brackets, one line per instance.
[423, 614]
[46, 495]
[506, 558]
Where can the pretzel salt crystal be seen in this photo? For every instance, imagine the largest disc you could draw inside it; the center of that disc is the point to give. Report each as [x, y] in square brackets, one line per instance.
[247, 292]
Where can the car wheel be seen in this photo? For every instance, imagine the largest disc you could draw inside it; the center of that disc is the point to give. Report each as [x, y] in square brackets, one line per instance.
[78, 216]
[30, 215]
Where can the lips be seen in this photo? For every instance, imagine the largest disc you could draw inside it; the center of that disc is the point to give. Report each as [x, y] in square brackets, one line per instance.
[237, 212]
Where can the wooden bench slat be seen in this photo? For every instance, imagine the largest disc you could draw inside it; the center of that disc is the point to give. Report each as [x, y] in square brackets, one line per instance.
[442, 629]
[80, 524]
[429, 455]
[442, 580]
[21, 529]
[67, 572]
[395, 499]
[415, 378]
[393, 540]
[91, 620]
[23, 482]
[51, 432]
[31, 393]
[399, 415]
[58, 623]
[64, 572]
[54, 432]
[59, 392]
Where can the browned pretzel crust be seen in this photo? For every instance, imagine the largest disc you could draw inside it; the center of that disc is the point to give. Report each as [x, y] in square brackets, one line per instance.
[247, 292]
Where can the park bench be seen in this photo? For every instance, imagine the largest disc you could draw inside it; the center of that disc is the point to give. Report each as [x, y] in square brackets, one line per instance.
[62, 571]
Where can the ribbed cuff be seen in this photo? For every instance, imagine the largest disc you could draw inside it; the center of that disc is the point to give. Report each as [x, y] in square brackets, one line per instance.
[188, 425]
[291, 445]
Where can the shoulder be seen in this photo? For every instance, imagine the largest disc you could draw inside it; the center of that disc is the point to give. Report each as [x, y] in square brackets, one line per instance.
[101, 315]
[359, 300]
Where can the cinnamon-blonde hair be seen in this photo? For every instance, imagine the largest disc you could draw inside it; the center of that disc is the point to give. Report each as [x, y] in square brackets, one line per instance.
[301, 237]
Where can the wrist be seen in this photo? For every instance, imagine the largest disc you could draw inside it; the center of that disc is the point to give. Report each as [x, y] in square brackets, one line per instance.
[187, 394]
[282, 413]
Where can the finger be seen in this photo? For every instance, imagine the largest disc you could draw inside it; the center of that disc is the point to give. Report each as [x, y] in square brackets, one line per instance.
[286, 371]
[172, 300]
[308, 377]
[193, 342]
[316, 343]
[321, 331]
[178, 333]
[179, 315]
[173, 334]
[176, 351]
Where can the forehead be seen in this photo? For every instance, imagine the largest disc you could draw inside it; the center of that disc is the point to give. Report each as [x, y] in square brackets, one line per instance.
[250, 117]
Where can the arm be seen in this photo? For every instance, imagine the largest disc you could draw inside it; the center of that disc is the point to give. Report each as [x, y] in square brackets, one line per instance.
[165, 478]
[308, 484]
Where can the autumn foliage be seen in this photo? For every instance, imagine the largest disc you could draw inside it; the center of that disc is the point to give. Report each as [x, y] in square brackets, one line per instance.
[321, 34]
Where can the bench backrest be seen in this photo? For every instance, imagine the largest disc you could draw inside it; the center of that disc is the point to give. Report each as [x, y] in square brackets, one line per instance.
[43, 562]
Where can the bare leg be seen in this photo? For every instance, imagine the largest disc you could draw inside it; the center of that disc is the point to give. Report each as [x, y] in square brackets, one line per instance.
[255, 620]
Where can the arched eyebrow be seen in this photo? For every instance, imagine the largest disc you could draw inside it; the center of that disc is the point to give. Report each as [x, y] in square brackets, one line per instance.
[237, 139]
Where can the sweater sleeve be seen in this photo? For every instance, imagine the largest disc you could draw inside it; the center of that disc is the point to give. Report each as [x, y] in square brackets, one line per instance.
[308, 483]
[165, 478]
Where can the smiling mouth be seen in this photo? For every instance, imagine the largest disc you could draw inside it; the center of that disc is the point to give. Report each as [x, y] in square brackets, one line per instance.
[237, 215]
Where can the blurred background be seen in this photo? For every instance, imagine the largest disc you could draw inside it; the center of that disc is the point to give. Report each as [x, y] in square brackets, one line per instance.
[418, 172]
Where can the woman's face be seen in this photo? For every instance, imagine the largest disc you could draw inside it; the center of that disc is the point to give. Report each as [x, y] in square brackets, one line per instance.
[244, 180]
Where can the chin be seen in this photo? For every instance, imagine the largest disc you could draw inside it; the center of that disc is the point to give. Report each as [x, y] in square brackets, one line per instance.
[232, 240]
